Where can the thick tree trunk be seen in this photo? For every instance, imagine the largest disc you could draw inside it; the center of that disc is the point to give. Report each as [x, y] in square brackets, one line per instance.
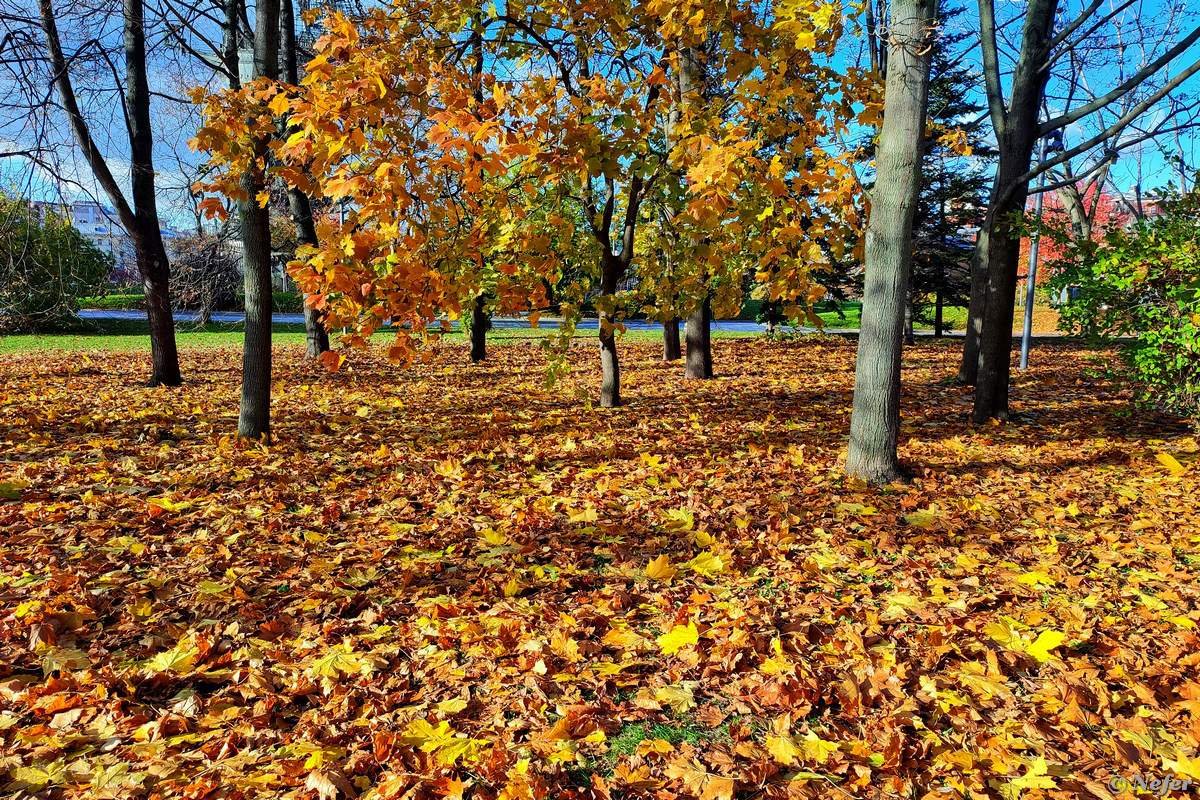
[875, 420]
[671, 348]
[163, 353]
[910, 337]
[254, 419]
[698, 334]
[480, 322]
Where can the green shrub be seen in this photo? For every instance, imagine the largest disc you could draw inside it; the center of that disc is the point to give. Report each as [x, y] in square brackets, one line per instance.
[1143, 282]
[46, 266]
[288, 302]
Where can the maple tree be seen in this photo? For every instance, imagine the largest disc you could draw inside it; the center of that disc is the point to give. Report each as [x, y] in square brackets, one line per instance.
[679, 601]
[471, 150]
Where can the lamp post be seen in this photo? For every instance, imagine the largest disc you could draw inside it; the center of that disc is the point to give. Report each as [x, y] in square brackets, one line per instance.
[1052, 143]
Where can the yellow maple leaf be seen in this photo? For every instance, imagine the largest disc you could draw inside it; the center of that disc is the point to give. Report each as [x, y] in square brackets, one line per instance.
[1182, 765]
[678, 637]
[1035, 777]
[817, 749]
[660, 569]
[783, 749]
[493, 537]
[279, 104]
[1045, 642]
[923, 519]
[707, 564]
[1171, 463]
[679, 699]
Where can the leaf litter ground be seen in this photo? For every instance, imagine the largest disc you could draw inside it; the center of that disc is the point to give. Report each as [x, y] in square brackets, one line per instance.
[451, 581]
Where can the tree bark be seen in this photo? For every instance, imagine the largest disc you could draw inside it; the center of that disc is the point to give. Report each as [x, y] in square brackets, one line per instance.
[671, 348]
[610, 366]
[910, 337]
[698, 334]
[139, 219]
[999, 249]
[875, 420]
[152, 259]
[480, 322]
[254, 419]
[968, 368]
[939, 326]
[316, 338]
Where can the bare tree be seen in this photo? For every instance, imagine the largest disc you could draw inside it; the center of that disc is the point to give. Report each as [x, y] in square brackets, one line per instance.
[875, 420]
[136, 211]
[1043, 48]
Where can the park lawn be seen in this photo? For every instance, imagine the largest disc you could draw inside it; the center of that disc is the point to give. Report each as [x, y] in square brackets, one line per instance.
[124, 335]
[450, 577]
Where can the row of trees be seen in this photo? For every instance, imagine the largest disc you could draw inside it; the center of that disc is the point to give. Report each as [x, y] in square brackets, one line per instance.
[665, 157]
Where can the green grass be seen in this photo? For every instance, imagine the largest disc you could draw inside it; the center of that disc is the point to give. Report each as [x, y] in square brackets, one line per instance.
[627, 739]
[134, 334]
[115, 301]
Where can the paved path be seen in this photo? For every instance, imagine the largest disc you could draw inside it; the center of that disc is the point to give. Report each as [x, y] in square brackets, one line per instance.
[519, 323]
[497, 322]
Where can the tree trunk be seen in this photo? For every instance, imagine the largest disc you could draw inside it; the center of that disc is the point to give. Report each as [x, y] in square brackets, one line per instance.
[480, 322]
[999, 249]
[697, 331]
[995, 340]
[316, 338]
[163, 353]
[938, 315]
[254, 419]
[875, 420]
[671, 349]
[698, 334]
[610, 367]
[910, 337]
[140, 219]
[968, 368]
[151, 252]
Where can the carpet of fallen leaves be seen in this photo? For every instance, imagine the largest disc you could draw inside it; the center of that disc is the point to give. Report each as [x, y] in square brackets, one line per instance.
[450, 581]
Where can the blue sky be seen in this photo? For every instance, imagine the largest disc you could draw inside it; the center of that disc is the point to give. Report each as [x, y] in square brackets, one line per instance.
[1101, 69]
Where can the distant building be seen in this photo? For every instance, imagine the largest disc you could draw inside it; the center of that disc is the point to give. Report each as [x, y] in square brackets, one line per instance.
[99, 224]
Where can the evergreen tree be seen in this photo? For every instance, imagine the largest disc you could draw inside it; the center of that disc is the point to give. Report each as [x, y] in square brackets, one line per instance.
[954, 187]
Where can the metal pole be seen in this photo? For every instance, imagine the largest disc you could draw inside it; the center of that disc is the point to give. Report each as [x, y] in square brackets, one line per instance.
[1031, 280]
